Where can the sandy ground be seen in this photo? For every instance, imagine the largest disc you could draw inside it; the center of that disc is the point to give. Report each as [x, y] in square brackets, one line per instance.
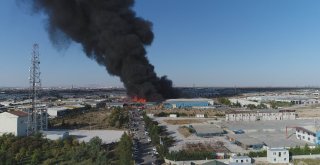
[308, 112]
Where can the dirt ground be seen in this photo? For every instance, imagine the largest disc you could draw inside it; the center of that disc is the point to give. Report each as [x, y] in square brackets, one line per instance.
[306, 162]
[184, 131]
[91, 120]
[183, 121]
[310, 111]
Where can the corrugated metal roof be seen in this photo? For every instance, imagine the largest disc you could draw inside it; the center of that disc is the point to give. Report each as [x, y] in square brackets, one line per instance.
[18, 113]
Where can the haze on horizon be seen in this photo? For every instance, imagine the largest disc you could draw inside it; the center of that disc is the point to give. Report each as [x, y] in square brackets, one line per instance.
[213, 43]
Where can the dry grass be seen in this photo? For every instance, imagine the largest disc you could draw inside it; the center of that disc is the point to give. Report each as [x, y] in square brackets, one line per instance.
[306, 162]
[208, 147]
[86, 121]
[184, 131]
[183, 121]
[310, 111]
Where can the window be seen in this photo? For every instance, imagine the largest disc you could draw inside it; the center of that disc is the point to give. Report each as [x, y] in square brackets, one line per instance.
[274, 153]
[285, 159]
[279, 154]
[274, 159]
[241, 161]
[237, 161]
[284, 153]
[247, 160]
[308, 138]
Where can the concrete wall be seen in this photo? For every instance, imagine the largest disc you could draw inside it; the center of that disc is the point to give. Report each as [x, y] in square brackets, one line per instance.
[240, 160]
[8, 123]
[22, 126]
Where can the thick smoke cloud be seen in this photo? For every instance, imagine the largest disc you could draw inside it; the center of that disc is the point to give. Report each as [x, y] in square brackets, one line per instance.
[112, 34]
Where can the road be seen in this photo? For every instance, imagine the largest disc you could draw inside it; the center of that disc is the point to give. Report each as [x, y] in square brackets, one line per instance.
[143, 149]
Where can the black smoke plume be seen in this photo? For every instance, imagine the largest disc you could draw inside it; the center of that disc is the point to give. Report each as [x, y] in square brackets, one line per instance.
[110, 33]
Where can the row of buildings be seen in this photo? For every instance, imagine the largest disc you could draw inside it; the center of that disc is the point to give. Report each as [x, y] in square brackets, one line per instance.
[261, 115]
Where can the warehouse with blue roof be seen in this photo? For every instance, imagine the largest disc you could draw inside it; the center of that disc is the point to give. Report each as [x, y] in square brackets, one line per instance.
[188, 103]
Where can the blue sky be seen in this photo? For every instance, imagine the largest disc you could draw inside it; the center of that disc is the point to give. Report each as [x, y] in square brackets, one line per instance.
[206, 43]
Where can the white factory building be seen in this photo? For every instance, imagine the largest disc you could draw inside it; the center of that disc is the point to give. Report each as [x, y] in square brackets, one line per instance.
[14, 122]
[278, 155]
[56, 111]
[240, 160]
[260, 115]
[295, 99]
[308, 134]
[245, 102]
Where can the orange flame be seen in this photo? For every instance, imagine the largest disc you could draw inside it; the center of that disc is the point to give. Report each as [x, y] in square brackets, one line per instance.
[139, 100]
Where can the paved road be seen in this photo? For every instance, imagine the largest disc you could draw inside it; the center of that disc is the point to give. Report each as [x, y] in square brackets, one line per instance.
[143, 149]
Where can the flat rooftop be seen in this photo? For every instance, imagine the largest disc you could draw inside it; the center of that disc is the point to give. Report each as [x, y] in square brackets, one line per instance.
[272, 133]
[207, 129]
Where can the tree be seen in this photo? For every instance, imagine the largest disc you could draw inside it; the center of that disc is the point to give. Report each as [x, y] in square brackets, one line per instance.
[224, 101]
[123, 149]
[262, 106]
[237, 104]
[35, 158]
[251, 106]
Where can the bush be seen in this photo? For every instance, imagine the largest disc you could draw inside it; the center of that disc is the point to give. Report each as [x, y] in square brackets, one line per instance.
[224, 101]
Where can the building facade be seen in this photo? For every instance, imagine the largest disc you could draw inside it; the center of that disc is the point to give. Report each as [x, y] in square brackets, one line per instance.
[277, 155]
[14, 122]
[240, 160]
[311, 134]
[256, 115]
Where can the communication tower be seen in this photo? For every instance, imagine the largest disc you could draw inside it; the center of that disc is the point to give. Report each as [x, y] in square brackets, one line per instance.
[37, 115]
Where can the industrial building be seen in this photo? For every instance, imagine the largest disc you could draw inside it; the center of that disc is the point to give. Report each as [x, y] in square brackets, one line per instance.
[263, 115]
[308, 134]
[56, 111]
[200, 115]
[240, 160]
[245, 141]
[188, 103]
[245, 102]
[277, 155]
[14, 122]
[294, 99]
[208, 130]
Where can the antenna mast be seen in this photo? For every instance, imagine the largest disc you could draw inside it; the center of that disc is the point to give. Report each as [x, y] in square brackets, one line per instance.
[37, 115]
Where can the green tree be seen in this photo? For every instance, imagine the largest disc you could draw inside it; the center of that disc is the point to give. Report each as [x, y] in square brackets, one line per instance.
[123, 149]
[224, 101]
[237, 104]
[251, 106]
